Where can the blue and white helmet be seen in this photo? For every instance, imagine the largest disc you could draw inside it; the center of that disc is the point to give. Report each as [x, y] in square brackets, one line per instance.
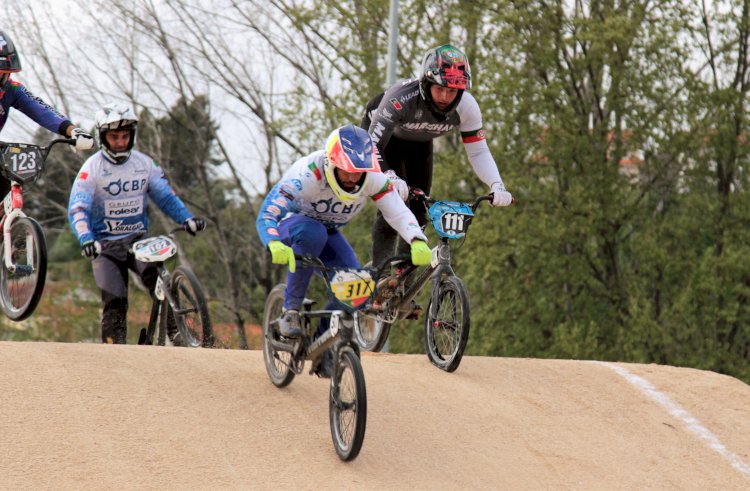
[115, 116]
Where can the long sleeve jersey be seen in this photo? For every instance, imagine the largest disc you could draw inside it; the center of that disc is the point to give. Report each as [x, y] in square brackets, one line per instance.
[304, 190]
[16, 95]
[404, 114]
[110, 201]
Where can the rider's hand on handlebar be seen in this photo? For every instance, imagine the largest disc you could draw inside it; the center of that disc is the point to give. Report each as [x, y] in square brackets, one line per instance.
[84, 141]
[500, 197]
[282, 254]
[193, 225]
[90, 249]
[398, 184]
[421, 254]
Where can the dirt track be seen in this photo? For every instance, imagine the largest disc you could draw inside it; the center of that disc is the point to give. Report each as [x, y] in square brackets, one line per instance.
[78, 416]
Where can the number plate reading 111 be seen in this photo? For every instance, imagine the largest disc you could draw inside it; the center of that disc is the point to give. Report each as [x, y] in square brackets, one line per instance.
[352, 288]
[22, 163]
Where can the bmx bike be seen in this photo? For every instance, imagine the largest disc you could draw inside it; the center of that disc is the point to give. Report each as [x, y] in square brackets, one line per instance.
[350, 289]
[179, 303]
[24, 248]
[446, 326]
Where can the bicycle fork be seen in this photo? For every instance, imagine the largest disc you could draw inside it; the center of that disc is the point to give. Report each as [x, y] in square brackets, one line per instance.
[13, 204]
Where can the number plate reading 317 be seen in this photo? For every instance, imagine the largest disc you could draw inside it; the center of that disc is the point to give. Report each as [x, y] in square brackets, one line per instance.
[352, 288]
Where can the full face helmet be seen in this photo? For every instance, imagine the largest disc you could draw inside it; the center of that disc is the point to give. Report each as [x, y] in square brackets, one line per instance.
[350, 149]
[446, 66]
[9, 60]
[116, 116]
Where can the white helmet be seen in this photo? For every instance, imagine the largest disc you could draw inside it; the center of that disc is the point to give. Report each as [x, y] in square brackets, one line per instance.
[115, 116]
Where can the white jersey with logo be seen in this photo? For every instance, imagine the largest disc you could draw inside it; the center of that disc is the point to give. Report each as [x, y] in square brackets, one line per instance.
[110, 201]
[304, 190]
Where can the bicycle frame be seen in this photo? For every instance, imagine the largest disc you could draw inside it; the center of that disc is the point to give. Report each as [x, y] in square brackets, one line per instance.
[339, 332]
[13, 208]
[158, 250]
[439, 268]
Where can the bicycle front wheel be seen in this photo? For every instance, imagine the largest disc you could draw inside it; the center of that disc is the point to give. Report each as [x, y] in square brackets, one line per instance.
[20, 290]
[347, 405]
[277, 362]
[445, 335]
[191, 310]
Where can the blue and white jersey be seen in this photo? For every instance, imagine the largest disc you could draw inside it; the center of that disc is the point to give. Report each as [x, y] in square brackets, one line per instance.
[304, 190]
[109, 201]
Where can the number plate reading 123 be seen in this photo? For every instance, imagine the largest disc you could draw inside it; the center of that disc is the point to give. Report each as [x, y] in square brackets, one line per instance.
[352, 288]
[22, 163]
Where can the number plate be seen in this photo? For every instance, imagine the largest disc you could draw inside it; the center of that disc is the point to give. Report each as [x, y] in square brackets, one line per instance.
[154, 249]
[451, 219]
[22, 163]
[352, 288]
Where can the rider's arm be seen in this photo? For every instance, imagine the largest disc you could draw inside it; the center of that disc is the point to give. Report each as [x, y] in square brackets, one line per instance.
[38, 110]
[395, 212]
[475, 144]
[81, 200]
[296, 184]
[389, 113]
[162, 194]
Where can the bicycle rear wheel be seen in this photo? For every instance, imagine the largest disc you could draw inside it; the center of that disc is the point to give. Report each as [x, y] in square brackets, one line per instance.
[21, 289]
[445, 335]
[347, 405]
[191, 313]
[277, 362]
[371, 333]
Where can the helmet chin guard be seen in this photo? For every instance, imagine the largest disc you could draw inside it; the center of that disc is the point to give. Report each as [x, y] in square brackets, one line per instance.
[116, 116]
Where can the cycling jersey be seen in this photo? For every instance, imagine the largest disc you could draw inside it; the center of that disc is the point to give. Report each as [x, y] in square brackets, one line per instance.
[16, 95]
[401, 112]
[110, 201]
[304, 190]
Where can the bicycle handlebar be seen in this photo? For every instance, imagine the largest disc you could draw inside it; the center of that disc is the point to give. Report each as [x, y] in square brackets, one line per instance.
[419, 195]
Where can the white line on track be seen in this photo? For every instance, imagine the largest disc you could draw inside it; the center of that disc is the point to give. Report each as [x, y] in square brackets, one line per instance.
[692, 424]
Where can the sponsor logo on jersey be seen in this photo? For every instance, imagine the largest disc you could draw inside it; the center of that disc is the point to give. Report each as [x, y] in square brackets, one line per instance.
[117, 227]
[431, 127]
[83, 176]
[116, 187]
[118, 208]
[408, 96]
[272, 231]
[274, 210]
[396, 104]
[281, 201]
[337, 207]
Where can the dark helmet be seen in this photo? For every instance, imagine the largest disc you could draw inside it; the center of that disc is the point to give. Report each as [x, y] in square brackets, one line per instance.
[446, 66]
[9, 60]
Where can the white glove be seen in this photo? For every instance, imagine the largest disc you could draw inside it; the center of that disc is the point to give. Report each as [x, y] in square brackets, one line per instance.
[399, 184]
[84, 141]
[500, 197]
